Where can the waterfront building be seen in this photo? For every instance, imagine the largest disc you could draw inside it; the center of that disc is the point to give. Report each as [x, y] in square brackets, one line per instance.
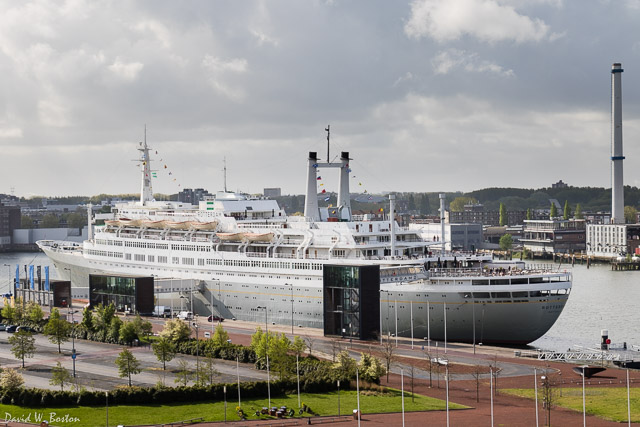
[458, 237]
[272, 192]
[9, 221]
[193, 196]
[476, 214]
[611, 241]
[553, 236]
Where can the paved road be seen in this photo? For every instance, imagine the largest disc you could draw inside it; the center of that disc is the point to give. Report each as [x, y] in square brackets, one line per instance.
[96, 369]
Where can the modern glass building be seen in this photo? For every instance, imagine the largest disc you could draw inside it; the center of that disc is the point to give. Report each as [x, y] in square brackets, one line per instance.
[351, 301]
[128, 293]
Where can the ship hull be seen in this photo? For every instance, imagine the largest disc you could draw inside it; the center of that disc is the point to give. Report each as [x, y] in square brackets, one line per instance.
[403, 306]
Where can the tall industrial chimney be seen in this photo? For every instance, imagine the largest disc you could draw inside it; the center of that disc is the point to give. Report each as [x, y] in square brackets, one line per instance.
[617, 184]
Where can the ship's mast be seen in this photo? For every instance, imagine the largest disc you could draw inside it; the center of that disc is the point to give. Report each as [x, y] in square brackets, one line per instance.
[146, 193]
[328, 130]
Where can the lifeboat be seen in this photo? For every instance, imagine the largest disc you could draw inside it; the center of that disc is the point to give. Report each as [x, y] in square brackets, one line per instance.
[231, 237]
[259, 237]
[177, 225]
[153, 224]
[112, 222]
[197, 225]
[130, 222]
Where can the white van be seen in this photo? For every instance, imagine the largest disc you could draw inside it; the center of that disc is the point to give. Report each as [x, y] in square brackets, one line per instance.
[185, 315]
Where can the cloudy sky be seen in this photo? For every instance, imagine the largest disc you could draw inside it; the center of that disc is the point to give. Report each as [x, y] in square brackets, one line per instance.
[426, 95]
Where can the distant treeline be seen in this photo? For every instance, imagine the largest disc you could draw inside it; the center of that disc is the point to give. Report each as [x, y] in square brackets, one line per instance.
[589, 198]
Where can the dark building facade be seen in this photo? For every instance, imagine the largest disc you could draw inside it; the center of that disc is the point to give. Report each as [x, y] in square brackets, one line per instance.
[554, 236]
[476, 214]
[9, 221]
[128, 293]
[193, 196]
[351, 301]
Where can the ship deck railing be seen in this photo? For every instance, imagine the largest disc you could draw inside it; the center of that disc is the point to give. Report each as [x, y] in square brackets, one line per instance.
[484, 272]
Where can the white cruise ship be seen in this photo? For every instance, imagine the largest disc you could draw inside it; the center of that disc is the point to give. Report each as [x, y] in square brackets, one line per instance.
[237, 256]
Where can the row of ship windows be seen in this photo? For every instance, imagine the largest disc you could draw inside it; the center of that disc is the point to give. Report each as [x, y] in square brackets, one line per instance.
[202, 262]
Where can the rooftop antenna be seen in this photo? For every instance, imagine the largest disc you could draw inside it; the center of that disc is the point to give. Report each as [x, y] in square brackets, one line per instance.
[224, 170]
[328, 130]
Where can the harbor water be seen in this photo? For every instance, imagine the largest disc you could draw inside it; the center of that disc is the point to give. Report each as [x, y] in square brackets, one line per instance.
[600, 299]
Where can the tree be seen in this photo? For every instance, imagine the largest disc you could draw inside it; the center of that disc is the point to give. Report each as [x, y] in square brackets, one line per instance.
[477, 375]
[457, 204]
[553, 212]
[57, 329]
[370, 368]
[388, 351]
[26, 222]
[506, 242]
[548, 396]
[175, 330]
[184, 374]
[141, 326]
[503, 215]
[220, 336]
[128, 332]
[50, 221]
[60, 376]
[425, 209]
[346, 365]
[11, 380]
[578, 214]
[9, 312]
[298, 346]
[103, 317]
[310, 342]
[567, 210]
[207, 370]
[432, 367]
[529, 214]
[113, 335]
[76, 220]
[23, 344]
[34, 312]
[87, 320]
[127, 364]
[164, 350]
[411, 202]
[630, 215]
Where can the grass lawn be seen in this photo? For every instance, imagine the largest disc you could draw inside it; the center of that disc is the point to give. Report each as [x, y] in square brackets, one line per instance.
[322, 404]
[607, 403]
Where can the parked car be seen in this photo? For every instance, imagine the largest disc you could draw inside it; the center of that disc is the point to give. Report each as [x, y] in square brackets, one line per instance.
[3, 327]
[214, 318]
[26, 329]
[11, 328]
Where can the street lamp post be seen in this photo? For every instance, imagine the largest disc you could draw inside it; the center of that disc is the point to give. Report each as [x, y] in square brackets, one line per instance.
[195, 325]
[73, 343]
[266, 327]
[291, 285]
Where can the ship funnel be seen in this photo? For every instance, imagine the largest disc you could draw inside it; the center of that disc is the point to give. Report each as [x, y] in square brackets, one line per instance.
[344, 199]
[311, 198]
[617, 183]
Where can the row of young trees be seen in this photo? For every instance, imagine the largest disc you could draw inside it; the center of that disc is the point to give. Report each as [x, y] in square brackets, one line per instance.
[102, 324]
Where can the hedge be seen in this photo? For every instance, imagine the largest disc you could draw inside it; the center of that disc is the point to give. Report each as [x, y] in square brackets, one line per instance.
[34, 397]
